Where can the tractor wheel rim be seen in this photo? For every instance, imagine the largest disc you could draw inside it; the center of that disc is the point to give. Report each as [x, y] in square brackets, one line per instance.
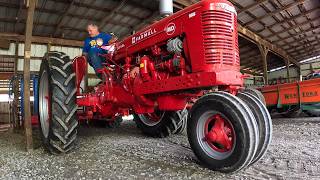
[213, 146]
[44, 104]
[152, 119]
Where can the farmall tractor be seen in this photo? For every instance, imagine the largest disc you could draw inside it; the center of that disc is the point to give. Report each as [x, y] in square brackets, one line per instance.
[183, 70]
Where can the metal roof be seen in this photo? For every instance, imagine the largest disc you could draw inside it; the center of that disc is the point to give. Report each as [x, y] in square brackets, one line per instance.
[293, 25]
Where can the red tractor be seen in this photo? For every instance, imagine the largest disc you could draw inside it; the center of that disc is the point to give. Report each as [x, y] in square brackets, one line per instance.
[183, 70]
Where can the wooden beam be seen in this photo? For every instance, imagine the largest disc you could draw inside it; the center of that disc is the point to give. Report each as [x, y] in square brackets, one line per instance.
[246, 33]
[42, 40]
[250, 72]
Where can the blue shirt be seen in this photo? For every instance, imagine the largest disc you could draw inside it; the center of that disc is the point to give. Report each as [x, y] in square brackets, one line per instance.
[92, 44]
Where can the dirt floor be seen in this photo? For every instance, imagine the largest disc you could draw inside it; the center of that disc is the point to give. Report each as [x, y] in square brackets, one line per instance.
[127, 154]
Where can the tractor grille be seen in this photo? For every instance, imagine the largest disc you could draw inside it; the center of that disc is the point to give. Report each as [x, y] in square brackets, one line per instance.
[220, 42]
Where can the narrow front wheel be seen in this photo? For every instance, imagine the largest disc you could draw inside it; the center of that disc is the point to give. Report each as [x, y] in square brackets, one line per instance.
[221, 132]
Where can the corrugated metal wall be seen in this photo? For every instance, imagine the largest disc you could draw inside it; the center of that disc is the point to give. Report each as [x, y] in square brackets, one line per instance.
[305, 70]
[283, 73]
[38, 51]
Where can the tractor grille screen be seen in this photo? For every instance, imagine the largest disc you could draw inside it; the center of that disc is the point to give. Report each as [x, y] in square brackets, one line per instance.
[220, 42]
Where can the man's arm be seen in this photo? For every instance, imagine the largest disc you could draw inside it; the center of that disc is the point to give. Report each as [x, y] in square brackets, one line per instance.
[85, 48]
[109, 38]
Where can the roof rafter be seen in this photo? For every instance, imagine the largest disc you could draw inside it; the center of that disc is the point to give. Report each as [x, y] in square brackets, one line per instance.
[286, 20]
[110, 15]
[292, 27]
[274, 12]
[296, 34]
[251, 6]
[59, 24]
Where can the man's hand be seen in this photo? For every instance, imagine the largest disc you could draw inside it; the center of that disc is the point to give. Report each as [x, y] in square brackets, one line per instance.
[85, 55]
[113, 39]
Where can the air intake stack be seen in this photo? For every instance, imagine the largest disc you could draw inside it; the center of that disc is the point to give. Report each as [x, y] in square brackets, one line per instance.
[165, 7]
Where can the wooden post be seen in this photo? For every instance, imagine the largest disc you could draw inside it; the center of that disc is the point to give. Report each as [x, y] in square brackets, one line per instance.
[299, 73]
[288, 70]
[16, 120]
[26, 73]
[264, 53]
[48, 47]
[256, 80]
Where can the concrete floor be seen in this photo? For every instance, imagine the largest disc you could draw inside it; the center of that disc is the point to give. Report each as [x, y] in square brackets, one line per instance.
[127, 154]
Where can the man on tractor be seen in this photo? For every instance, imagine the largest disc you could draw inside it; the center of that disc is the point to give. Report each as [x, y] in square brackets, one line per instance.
[92, 47]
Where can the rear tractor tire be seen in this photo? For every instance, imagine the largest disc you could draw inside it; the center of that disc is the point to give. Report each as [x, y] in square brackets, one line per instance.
[162, 123]
[258, 94]
[222, 132]
[57, 103]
